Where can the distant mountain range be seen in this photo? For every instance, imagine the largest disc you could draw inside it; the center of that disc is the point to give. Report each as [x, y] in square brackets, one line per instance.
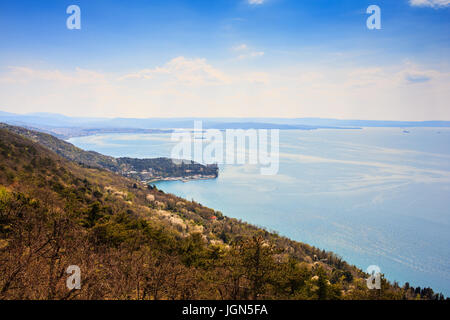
[65, 127]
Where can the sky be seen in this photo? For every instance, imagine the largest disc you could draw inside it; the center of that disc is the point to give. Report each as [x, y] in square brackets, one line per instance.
[227, 58]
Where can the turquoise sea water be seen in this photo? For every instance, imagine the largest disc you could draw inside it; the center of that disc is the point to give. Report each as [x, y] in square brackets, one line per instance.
[376, 196]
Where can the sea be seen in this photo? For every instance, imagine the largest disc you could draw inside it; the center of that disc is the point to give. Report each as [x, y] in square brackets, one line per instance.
[373, 196]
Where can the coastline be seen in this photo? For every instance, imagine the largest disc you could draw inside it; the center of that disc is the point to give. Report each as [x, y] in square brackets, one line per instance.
[182, 179]
[361, 261]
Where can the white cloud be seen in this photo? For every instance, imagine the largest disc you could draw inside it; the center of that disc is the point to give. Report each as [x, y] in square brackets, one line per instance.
[240, 47]
[257, 77]
[256, 2]
[24, 75]
[430, 3]
[253, 54]
[189, 71]
[185, 87]
[245, 52]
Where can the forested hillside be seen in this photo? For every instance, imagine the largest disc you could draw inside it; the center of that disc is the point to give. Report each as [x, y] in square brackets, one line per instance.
[136, 242]
[140, 169]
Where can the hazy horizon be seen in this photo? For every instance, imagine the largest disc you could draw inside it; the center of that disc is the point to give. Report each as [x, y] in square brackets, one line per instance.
[43, 114]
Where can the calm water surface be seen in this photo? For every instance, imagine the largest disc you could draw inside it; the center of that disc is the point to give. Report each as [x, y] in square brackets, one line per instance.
[376, 196]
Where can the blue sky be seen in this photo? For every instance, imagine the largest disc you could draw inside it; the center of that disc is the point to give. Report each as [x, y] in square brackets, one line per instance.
[282, 58]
